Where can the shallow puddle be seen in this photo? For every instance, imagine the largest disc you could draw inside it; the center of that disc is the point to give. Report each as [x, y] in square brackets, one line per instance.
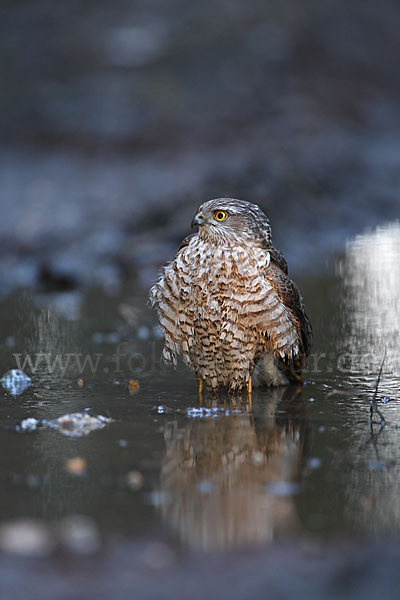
[300, 462]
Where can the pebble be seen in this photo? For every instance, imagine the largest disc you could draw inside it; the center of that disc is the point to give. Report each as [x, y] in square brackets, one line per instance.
[78, 424]
[15, 381]
[29, 424]
[26, 537]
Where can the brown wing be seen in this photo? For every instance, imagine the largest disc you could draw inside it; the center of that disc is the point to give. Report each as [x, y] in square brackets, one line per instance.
[290, 296]
[278, 258]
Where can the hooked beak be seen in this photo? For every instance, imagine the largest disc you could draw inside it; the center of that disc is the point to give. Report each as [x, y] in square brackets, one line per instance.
[198, 220]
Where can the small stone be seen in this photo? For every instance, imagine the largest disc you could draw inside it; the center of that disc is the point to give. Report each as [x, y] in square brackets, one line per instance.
[15, 381]
[134, 480]
[78, 424]
[26, 537]
[29, 424]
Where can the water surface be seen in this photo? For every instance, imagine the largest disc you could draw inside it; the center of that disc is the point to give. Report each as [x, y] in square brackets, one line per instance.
[301, 462]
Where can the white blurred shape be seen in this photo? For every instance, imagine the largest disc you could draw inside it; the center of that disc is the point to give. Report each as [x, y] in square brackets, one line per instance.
[371, 275]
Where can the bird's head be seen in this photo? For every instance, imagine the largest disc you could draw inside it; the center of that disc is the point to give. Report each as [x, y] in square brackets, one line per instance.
[230, 221]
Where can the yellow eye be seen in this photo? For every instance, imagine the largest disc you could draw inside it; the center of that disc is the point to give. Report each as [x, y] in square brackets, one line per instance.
[220, 215]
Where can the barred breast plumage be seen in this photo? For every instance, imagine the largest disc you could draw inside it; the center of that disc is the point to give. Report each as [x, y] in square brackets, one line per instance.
[226, 304]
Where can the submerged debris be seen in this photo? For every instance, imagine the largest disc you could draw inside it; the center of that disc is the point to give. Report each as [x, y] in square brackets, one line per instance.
[78, 424]
[15, 382]
[71, 425]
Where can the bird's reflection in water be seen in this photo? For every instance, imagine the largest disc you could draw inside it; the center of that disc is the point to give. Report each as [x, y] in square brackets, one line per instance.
[231, 480]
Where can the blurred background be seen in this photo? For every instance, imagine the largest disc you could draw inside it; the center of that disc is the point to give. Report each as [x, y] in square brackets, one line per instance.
[118, 119]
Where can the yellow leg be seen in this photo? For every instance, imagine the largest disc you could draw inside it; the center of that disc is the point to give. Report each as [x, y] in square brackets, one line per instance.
[201, 392]
[249, 391]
